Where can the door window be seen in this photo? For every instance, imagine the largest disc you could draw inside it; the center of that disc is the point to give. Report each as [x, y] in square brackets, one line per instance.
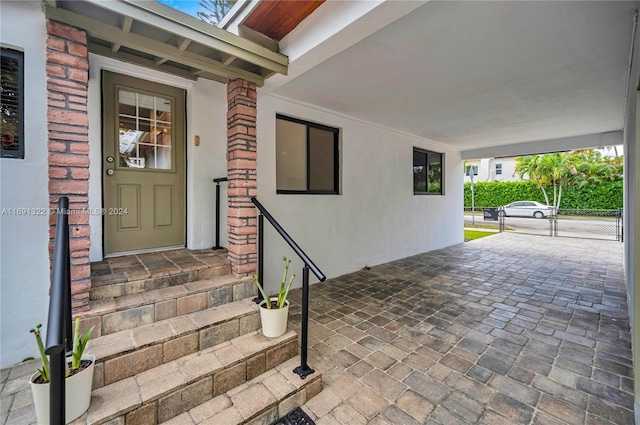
[144, 131]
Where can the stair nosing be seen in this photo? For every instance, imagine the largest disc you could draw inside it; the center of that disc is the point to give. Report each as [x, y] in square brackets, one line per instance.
[297, 385]
[120, 307]
[179, 365]
[129, 333]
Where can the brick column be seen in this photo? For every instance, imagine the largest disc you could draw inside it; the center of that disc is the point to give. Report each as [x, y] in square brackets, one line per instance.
[68, 145]
[241, 172]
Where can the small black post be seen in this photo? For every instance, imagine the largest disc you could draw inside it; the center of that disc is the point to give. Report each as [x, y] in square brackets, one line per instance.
[217, 216]
[57, 367]
[304, 370]
[217, 181]
[59, 318]
[68, 319]
[259, 298]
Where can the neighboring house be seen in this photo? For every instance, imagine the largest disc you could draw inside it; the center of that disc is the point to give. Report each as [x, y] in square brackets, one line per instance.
[132, 109]
[493, 170]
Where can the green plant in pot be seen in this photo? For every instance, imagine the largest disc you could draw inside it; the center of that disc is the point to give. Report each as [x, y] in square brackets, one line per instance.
[79, 378]
[274, 310]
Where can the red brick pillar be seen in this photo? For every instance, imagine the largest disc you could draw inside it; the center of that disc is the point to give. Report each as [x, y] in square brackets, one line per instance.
[241, 172]
[68, 144]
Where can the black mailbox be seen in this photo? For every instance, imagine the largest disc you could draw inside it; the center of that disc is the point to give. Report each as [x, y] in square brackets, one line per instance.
[491, 214]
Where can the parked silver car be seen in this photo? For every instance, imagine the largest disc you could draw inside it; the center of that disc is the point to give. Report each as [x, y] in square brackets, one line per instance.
[526, 209]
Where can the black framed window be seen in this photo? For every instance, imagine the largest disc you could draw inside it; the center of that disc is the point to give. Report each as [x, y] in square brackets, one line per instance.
[428, 172]
[306, 157]
[498, 169]
[12, 104]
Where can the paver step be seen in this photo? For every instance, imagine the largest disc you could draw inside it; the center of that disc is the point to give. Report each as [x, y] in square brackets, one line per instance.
[126, 353]
[130, 311]
[175, 387]
[132, 274]
[262, 400]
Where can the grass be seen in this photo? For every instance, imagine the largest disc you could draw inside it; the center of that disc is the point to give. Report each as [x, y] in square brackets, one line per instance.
[476, 234]
[482, 225]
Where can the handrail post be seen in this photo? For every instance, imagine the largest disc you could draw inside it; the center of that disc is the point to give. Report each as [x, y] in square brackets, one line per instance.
[217, 217]
[217, 182]
[59, 318]
[304, 370]
[259, 298]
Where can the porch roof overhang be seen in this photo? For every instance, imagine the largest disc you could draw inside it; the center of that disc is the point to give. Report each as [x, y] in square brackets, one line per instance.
[153, 35]
[480, 78]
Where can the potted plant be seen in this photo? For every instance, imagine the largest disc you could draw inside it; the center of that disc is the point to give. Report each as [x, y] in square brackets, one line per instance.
[274, 310]
[79, 378]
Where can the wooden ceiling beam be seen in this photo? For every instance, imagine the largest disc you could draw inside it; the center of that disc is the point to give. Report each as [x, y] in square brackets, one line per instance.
[127, 22]
[167, 19]
[150, 46]
[137, 60]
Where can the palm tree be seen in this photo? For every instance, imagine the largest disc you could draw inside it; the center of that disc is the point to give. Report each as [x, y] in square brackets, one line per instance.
[530, 166]
[581, 168]
[557, 167]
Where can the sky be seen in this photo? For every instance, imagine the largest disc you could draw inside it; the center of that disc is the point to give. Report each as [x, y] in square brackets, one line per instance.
[190, 7]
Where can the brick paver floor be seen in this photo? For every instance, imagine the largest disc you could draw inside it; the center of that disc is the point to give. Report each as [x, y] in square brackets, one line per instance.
[508, 329]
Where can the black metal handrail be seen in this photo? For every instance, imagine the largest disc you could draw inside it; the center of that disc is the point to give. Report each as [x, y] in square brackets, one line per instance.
[59, 321]
[217, 182]
[303, 370]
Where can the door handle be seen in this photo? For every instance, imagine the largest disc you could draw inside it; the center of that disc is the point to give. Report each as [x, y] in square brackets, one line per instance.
[110, 172]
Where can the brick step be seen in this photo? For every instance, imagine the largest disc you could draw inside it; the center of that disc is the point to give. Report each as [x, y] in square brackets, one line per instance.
[133, 274]
[126, 353]
[130, 311]
[173, 388]
[262, 400]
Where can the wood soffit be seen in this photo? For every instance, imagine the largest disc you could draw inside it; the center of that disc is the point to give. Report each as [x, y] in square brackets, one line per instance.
[153, 35]
[277, 18]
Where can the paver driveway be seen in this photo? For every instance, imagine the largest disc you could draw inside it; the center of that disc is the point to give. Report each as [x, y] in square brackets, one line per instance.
[508, 329]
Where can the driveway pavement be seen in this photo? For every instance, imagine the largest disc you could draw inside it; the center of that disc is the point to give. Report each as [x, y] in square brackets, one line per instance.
[507, 329]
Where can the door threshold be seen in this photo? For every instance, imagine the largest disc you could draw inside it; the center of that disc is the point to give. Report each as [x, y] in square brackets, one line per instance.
[143, 251]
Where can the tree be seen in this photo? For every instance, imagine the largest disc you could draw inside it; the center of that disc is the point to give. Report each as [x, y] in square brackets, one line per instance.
[592, 168]
[530, 166]
[559, 170]
[214, 10]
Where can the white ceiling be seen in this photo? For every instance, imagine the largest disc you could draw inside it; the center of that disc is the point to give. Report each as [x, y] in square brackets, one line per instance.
[480, 74]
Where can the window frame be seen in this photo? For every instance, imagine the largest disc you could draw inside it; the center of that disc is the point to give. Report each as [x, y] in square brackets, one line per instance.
[336, 158]
[19, 57]
[498, 170]
[426, 152]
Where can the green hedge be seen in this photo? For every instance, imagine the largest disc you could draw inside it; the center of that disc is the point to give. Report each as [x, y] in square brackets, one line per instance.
[493, 194]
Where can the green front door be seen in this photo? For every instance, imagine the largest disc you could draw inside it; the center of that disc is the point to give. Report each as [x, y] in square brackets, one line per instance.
[143, 164]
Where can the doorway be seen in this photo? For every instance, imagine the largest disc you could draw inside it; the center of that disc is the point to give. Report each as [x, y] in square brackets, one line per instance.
[143, 165]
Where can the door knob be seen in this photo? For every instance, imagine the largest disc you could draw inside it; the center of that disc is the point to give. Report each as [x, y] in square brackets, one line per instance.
[110, 172]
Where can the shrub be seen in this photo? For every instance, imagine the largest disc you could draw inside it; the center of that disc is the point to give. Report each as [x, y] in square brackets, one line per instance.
[492, 194]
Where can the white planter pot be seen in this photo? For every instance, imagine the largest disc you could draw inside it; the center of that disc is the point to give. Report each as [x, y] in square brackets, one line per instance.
[274, 320]
[78, 394]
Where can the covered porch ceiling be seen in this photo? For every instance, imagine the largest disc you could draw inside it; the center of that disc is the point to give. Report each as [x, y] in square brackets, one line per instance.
[156, 36]
[479, 75]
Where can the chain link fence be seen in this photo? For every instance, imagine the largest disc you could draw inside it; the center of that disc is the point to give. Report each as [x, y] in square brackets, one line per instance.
[591, 224]
[570, 223]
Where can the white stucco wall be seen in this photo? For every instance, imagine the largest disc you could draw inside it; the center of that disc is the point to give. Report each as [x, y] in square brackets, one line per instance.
[24, 255]
[631, 215]
[376, 218]
[206, 117]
